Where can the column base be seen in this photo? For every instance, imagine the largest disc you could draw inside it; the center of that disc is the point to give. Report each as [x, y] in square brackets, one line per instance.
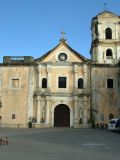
[41, 125]
[82, 126]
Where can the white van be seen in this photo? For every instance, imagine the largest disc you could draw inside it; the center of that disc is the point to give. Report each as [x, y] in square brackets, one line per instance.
[114, 124]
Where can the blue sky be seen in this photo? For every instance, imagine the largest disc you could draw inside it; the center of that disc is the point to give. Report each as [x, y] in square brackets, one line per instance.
[33, 27]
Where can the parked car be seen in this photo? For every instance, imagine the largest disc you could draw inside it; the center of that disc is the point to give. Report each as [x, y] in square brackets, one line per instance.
[114, 124]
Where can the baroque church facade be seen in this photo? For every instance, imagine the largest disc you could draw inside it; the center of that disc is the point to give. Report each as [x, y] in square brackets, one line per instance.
[63, 88]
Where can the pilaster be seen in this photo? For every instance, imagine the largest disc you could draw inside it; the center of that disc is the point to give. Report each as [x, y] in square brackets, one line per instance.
[49, 76]
[39, 76]
[75, 110]
[85, 76]
[52, 118]
[85, 111]
[75, 78]
[38, 111]
[48, 110]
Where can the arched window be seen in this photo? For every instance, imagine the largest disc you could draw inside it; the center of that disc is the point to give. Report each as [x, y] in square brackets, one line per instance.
[108, 33]
[80, 83]
[109, 53]
[13, 116]
[96, 28]
[44, 83]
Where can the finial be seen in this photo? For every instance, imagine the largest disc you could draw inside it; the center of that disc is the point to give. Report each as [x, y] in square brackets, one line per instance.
[105, 6]
[63, 36]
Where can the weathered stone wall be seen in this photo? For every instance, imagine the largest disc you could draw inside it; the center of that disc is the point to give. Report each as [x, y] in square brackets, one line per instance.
[78, 100]
[14, 98]
[105, 100]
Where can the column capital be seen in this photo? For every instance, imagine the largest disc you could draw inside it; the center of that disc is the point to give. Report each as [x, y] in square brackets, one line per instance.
[48, 98]
[85, 65]
[75, 71]
[39, 98]
[48, 68]
[75, 98]
[39, 67]
[39, 70]
[85, 98]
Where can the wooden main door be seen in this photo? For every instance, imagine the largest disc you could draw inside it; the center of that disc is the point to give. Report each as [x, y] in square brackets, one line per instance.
[62, 116]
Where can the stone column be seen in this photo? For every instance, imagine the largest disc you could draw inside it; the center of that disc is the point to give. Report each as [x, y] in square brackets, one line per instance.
[48, 111]
[85, 111]
[71, 118]
[52, 118]
[75, 78]
[38, 111]
[43, 111]
[85, 115]
[75, 110]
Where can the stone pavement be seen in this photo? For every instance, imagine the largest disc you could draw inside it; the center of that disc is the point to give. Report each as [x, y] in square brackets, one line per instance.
[60, 144]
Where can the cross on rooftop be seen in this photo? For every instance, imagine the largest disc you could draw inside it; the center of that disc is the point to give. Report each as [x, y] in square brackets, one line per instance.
[105, 5]
[63, 36]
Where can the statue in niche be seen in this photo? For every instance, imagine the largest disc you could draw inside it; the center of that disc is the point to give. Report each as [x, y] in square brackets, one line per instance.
[43, 113]
[80, 115]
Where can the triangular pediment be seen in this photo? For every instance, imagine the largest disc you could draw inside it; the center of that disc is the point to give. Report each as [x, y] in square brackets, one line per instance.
[62, 53]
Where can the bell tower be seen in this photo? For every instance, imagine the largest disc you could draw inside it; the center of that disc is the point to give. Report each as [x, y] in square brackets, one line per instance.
[105, 47]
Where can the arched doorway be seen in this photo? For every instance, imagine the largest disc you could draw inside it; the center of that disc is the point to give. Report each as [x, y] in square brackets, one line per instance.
[62, 116]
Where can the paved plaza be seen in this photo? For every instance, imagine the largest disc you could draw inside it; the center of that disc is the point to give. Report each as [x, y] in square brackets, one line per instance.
[60, 144]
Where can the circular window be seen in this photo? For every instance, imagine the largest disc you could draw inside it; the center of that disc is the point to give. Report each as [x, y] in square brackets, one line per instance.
[62, 57]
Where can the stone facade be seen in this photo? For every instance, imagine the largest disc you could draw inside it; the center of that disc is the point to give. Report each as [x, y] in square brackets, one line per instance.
[63, 88]
[105, 71]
